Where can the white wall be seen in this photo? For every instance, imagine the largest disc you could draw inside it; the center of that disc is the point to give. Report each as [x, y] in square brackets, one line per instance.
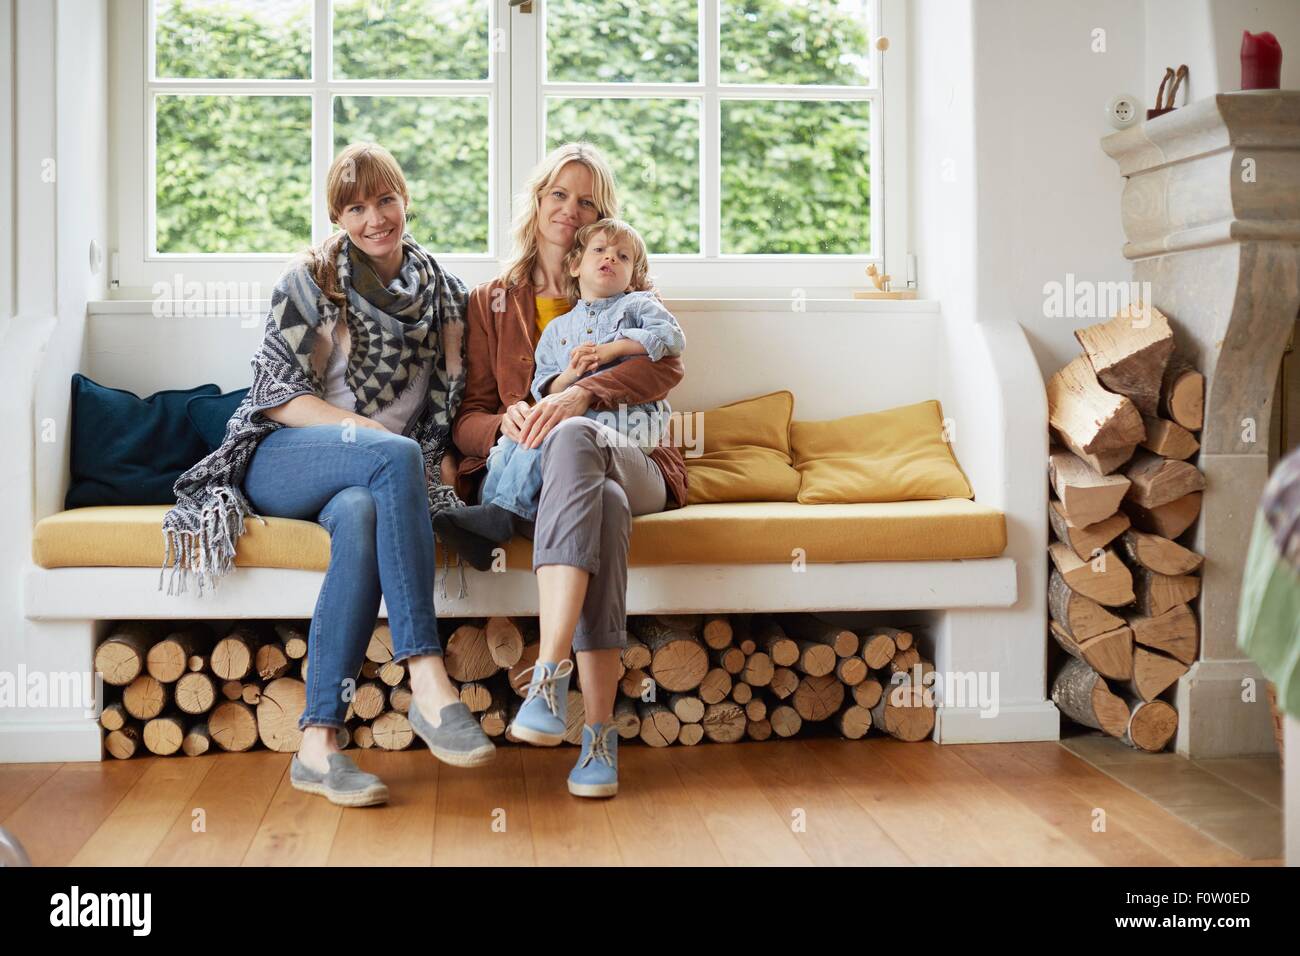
[6, 162]
[59, 131]
[31, 133]
[82, 151]
[942, 151]
[1178, 32]
[1048, 195]
[81, 79]
[1206, 35]
[1011, 187]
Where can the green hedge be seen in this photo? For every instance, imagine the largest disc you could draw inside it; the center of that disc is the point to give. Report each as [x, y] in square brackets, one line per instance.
[234, 172]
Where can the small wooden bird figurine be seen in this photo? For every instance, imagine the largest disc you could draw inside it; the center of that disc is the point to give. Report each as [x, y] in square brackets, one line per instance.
[882, 289]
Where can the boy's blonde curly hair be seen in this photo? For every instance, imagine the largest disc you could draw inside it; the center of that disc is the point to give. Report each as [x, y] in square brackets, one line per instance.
[614, 229]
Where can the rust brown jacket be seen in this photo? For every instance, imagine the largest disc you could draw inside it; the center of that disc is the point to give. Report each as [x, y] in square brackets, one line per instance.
[500, 342]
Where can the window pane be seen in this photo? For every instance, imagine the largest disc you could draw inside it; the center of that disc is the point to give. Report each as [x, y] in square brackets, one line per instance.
[233, 173]
[795, 41]
[796, 176]
[654, 147]
[622, 41]
[441, 143]
[233, 39]
[410, 39]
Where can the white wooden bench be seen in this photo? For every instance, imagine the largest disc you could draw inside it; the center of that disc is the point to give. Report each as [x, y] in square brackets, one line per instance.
[985, 616]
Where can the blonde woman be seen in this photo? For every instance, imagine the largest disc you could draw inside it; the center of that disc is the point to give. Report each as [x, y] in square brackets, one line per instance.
[591, 487]
[354, 388]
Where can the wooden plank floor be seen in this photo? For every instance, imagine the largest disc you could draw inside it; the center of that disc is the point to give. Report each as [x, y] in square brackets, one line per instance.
[818, 801]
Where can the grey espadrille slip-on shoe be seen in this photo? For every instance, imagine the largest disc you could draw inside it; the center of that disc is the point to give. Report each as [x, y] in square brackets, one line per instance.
[458, 740]
[345, 784]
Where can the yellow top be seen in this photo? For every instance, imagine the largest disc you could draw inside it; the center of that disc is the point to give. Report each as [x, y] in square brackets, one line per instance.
[548, 307]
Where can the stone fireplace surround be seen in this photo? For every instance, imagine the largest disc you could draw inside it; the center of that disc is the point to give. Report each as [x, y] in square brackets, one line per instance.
[1211, 211]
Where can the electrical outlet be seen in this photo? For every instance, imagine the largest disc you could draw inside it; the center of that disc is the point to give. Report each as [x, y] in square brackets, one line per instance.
[1123, 111]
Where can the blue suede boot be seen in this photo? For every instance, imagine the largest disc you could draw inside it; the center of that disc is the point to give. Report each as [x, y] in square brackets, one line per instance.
[596, 772]
[542, 717]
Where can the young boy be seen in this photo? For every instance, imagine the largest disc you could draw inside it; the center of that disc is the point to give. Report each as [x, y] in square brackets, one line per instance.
[614, 318]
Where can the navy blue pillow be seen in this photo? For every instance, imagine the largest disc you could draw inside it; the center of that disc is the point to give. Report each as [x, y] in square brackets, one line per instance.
[128, 450]
[210, 413]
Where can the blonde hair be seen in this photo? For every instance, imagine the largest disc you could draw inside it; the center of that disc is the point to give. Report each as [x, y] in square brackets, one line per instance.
[528, 203]
[614, 230]
[359, 171]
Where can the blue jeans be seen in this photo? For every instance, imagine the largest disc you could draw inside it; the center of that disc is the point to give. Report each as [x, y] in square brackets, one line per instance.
[514, 474]
[514, 478]
[369, 492]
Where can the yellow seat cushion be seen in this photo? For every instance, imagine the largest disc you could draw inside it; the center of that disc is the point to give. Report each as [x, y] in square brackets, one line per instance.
[745, 454]
[130, 536]
[765, 532]
[758, 532]
[899, 454]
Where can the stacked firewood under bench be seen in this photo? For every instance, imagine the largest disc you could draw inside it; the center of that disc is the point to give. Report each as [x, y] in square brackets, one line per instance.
[687, 679]
[1124, 492]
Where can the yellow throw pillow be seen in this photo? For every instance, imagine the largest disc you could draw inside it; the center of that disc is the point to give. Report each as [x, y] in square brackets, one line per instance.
[746, 452]
[895, 455]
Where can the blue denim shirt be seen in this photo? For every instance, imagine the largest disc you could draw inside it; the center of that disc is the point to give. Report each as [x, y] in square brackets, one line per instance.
[628, 315]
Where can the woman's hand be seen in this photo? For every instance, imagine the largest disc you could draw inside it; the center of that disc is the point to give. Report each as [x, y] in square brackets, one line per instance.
[512, 424]
[550, 411]
[362, 422]
[449, 466]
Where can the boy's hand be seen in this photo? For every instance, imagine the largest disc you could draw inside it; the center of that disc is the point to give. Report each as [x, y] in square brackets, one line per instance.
[582, 360]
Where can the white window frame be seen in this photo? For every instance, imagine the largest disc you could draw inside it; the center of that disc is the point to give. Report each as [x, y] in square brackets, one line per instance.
[516, 131]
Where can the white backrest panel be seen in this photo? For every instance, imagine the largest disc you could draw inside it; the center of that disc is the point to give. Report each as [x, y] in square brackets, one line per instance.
[145, 354]
[835, 362]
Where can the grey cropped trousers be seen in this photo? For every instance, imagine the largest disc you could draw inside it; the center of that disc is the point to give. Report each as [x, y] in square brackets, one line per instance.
[593, 483]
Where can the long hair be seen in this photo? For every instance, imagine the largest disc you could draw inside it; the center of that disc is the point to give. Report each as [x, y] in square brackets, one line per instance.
[359, 171]
[528, 203]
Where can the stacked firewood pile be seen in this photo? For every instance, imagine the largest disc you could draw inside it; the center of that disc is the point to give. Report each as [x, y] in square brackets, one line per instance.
[1124, 492]
[687, 678]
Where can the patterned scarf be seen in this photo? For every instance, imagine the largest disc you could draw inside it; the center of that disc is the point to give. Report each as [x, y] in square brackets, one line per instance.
[416, 321]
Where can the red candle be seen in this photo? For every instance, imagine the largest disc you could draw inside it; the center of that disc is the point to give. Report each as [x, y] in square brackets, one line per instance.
[1261, 61]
